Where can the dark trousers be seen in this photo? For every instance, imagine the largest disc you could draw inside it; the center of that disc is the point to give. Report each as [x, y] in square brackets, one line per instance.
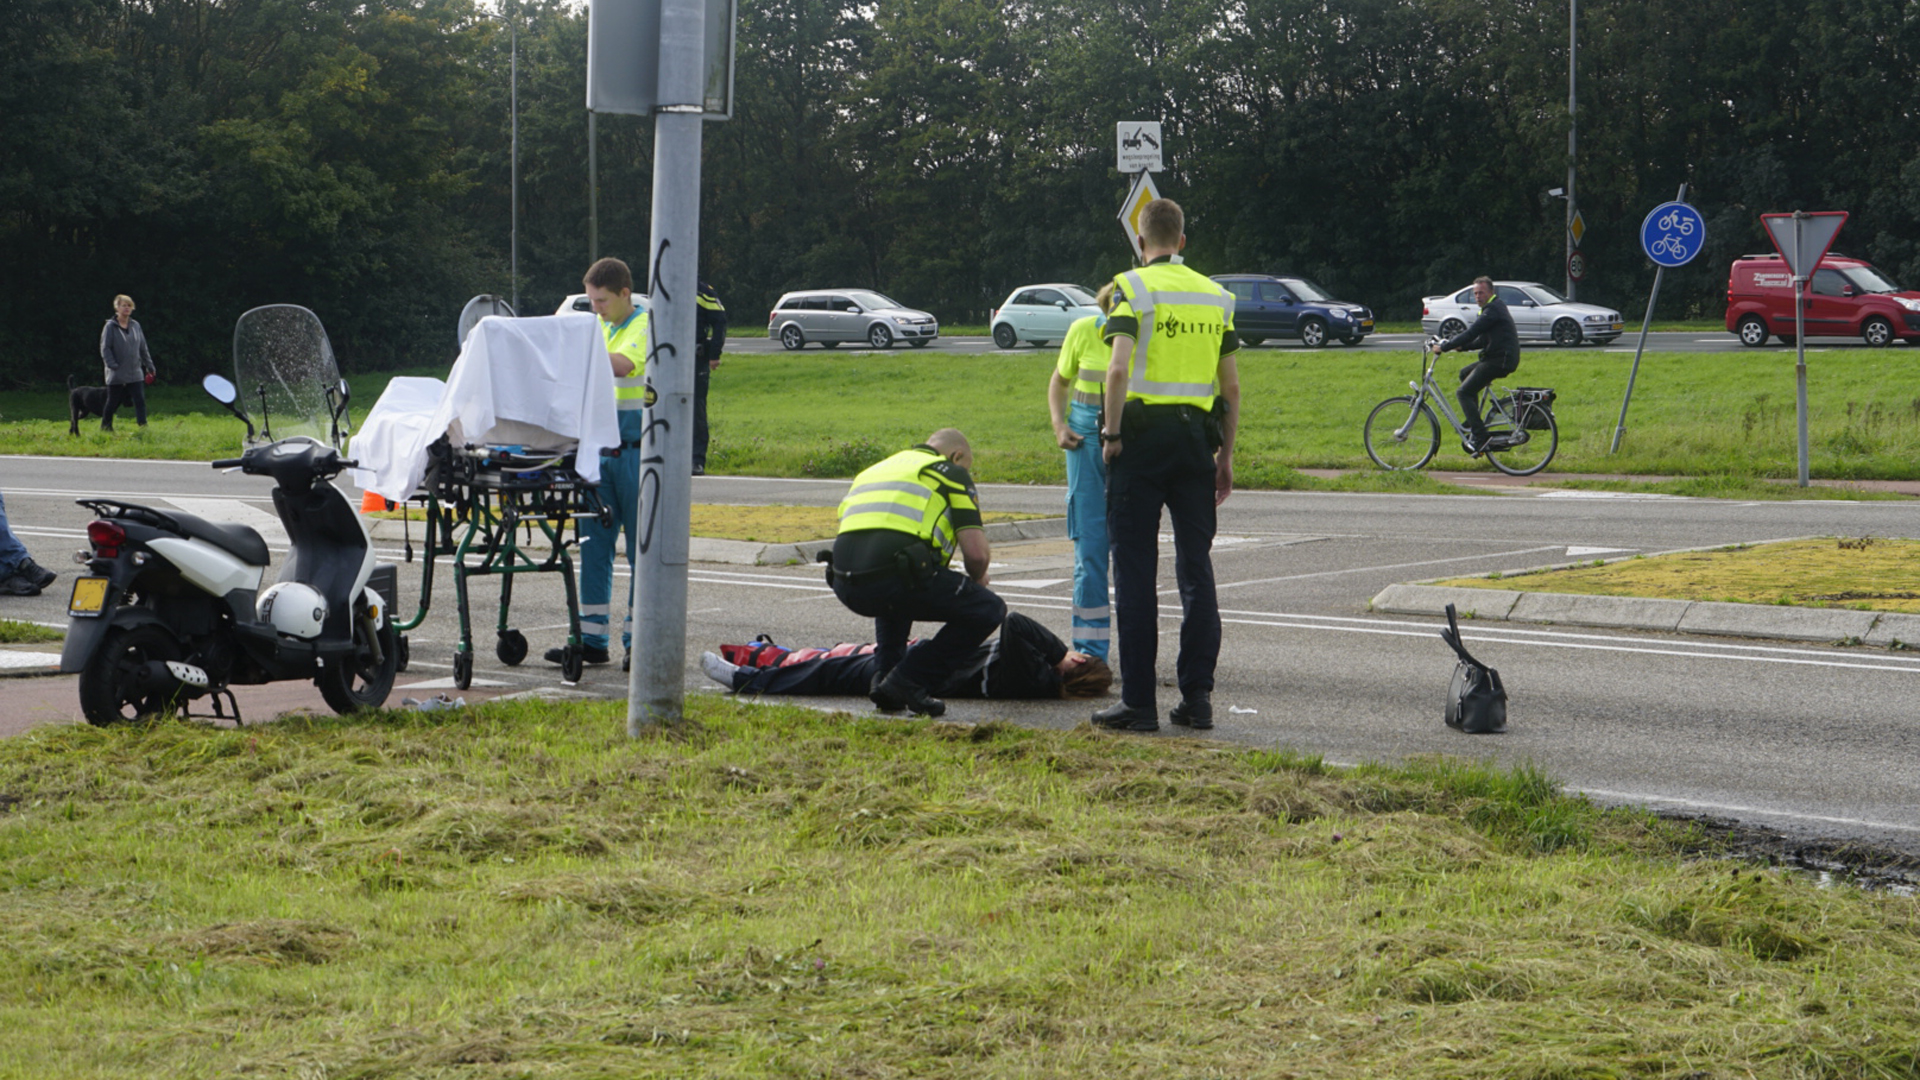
[1166, 463]
[119, 394]
[970, 612]
[702, 378]
[1474, 378]
[843, 676]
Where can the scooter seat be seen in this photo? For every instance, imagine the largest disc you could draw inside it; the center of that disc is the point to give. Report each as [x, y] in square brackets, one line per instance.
[242, 540]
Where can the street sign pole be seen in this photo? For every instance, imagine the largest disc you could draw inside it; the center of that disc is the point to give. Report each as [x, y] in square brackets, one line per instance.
[1661, 251]
[1802, 238]
[1800, 341]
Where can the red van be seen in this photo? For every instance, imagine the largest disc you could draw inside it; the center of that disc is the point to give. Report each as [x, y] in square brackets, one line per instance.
[1845, 298]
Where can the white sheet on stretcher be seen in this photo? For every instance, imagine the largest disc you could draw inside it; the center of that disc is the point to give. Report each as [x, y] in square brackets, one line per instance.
[542, 383]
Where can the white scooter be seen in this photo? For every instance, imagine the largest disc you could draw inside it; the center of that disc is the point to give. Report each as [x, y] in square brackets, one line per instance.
[171, 608]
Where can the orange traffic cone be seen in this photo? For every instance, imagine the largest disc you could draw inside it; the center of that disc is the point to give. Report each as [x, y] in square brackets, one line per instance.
[371, 502]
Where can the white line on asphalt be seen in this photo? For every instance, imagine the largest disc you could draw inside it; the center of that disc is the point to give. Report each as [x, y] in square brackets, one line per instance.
[1370, 569]
[1731, 809]
[136, 495]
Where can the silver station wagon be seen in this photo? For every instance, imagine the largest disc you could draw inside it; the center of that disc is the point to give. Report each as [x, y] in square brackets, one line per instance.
[831, 316]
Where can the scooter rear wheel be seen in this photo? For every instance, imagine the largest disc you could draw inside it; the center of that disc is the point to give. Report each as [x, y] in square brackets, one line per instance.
[110, 687]
[359, 683]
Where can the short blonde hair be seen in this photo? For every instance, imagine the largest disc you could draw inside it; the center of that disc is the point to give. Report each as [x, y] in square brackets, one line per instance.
[120, 297]
[1162, 223]
[1105, 298]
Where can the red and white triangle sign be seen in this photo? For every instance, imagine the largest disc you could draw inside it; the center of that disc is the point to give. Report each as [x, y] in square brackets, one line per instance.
[1803, 237]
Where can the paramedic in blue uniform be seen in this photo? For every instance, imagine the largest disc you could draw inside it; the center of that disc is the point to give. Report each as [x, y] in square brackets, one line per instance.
[1074, 398]
[1172, 408]
[609, 286]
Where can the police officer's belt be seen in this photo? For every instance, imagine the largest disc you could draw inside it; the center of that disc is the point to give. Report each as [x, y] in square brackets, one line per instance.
[614, 451]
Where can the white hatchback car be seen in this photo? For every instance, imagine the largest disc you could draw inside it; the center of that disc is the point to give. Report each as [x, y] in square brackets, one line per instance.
[1539, 314]
[1038, 314]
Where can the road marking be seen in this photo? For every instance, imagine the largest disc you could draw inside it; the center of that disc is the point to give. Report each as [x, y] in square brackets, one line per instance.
[1734, 809]
[1624, 496]
[1372, 569]
[1575, 552]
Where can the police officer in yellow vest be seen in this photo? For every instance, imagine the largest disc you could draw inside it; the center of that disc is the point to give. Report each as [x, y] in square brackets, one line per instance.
[900, 525]
[1172, 408]
[709, 339]
[609, 286]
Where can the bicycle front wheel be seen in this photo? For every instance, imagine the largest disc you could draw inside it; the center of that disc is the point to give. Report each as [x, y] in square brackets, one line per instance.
[1402, 434]
[1530, 450]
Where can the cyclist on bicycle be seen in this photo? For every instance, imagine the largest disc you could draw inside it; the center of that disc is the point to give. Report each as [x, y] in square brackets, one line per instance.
[1494, 335]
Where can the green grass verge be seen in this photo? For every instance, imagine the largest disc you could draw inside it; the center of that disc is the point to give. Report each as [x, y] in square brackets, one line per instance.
[522, 890]
[15, 632]
[1713, 415]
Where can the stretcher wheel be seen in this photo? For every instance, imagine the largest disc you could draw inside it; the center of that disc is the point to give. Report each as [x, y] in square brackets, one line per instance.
[511, 647]
[573, 664]
[405, 653]
[463, 669]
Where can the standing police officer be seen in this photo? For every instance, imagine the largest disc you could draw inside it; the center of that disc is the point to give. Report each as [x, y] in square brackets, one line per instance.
[709, 338]
[1493, 333]
[1172, 409]
[900, 524]
[609, 286]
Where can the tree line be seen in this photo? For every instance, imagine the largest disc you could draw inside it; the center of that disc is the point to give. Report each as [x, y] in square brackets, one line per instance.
[353, 156]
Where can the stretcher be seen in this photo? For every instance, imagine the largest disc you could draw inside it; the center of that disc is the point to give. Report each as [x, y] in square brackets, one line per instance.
[502, 457]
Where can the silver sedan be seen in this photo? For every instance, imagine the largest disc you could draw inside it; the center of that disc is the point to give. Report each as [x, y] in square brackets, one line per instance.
[1539, 314]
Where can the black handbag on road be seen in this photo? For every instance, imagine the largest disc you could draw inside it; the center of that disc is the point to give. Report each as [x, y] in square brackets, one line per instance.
[1476, 701]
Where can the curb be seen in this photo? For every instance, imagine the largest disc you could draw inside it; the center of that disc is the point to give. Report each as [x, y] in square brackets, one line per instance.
[1707, 617]
[751, 553]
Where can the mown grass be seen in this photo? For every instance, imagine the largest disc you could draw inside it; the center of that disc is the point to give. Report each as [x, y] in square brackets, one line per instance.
[522, 890]
[1728, 415]
[1865, 573]
[15, 632]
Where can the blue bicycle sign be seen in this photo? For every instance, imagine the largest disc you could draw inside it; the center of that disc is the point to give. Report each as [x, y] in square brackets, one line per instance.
[1673, 234]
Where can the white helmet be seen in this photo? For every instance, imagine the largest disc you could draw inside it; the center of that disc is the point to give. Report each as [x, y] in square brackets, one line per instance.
[294, 609]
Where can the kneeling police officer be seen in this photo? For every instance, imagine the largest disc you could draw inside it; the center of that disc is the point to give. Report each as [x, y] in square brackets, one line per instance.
[900, 524]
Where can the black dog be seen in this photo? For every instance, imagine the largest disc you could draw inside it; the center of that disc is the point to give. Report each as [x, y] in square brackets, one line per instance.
[82, 402]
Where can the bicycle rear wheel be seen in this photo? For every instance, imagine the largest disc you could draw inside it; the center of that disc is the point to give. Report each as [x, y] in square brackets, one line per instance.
[1530, 450]
[1402, 434]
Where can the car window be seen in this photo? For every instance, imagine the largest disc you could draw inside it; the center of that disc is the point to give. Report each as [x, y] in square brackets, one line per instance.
[1049, 297]
[1870, 279]
[1241, 290]
[1514, 297]
[839, 303]
[1829, 282]
[810, 303]
[1080, 297]
[1543, 295]
[787, 303]
[872, 300]
[1307, 290]
[1026, 297]
[1278, 294]
[1464, 296]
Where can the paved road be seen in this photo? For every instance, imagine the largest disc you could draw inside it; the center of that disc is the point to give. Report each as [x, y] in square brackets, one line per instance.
[1666, 341]
[1816, 740]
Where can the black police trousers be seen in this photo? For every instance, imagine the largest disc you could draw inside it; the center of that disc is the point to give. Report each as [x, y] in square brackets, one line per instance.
[970, 612]
[1167, 463]
[1474, 378]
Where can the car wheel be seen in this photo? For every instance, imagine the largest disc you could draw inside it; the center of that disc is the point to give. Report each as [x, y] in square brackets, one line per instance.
[1313, 333]
[1752, 330]
[1877, 332]
[879, 336]
[791, 337]
[1452, 328]
[1250, 342]
[1038, 343]
[1352, 339]
[1566, 332]
[1004, 336]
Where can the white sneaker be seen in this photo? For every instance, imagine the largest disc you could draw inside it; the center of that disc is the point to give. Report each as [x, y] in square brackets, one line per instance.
[717, 669]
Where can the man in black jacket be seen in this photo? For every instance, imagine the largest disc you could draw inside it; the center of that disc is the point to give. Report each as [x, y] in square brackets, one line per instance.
[1494, 335]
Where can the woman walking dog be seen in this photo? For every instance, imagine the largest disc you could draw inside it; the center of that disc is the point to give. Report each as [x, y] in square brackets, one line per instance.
[123, 351]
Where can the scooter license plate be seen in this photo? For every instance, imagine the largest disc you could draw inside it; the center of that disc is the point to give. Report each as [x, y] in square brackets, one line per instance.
[89, 597]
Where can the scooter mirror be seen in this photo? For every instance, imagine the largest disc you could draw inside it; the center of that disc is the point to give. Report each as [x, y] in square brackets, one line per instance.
[220, 389]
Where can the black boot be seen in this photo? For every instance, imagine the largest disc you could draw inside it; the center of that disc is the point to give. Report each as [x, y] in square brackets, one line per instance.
[895, 692]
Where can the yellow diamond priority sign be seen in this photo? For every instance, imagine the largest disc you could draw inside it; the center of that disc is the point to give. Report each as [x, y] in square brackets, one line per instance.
[1143, 193]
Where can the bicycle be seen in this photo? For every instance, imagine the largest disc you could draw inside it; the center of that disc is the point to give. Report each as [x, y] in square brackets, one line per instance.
[1403, 433]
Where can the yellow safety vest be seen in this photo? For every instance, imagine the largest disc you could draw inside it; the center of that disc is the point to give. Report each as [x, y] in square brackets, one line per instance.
[1182, 316]
[901, 494]
[629, 339]
[1083, 361]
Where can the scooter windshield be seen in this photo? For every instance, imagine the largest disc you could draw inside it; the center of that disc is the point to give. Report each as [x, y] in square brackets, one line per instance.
[284, 368]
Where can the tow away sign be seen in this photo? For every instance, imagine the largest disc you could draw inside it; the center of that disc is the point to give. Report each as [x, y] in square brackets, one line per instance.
[1139, 146]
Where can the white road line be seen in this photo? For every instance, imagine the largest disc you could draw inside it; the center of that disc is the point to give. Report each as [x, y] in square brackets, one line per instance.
[1736, 809]
[1373, 569]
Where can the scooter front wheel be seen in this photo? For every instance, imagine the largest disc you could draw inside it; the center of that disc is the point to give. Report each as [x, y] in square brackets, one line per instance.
[118, 683]
[358, 683]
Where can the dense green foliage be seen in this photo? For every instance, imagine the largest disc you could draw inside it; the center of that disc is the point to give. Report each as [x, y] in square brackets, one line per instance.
[209, 155]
